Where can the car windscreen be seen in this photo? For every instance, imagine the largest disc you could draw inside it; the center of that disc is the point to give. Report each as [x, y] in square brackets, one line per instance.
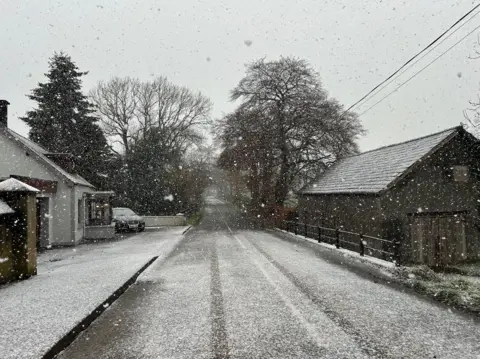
[123, 212]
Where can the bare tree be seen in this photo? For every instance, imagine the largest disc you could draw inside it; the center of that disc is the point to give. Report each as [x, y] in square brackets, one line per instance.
[116, 102]
[130, 109]
[155, 122]
[179, 113]
[472, 114]
[286, 118]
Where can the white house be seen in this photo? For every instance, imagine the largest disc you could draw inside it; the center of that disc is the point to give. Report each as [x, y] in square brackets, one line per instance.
[66, 202]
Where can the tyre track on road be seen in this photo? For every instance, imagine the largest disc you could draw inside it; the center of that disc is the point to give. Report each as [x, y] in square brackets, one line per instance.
[365, 343]
[217, 310]
[219, 335]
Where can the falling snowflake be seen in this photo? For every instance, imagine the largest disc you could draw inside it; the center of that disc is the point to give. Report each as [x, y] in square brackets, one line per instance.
[248, 42]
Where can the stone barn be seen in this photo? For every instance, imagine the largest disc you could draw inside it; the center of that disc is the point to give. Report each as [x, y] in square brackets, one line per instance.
[423, 193]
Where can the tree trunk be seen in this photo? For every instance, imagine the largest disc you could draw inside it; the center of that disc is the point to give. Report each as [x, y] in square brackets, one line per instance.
[281, 187]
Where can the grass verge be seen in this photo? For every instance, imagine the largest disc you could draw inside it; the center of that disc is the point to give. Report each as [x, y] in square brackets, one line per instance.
[194, 219]
[458, 293]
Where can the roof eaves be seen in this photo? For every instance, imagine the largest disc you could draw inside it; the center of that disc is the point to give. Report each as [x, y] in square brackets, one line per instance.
[457, 128]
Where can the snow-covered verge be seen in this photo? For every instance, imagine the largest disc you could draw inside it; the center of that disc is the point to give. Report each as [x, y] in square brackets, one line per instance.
[461, 292]
[71, 283]
[469, 269]
[366, 259]
[457, 290]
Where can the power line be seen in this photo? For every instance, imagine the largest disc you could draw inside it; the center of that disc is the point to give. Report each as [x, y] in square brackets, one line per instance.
[423, 68]
[418, 59]
[414, 57]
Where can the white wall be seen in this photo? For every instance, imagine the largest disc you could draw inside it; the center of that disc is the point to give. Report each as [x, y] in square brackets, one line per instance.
[14, 161]
[46, 241]
[62, 215]
[157, 221]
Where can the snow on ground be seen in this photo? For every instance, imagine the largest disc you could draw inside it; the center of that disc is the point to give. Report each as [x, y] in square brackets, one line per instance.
[256, 292]
[392, 323]
[71, 282]
[346, 252]
[164, 315]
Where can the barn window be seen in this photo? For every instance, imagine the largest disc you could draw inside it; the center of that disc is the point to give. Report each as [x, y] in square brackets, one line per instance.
[460, 173]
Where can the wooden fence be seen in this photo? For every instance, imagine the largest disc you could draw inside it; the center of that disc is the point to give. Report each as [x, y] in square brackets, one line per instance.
[366, 245]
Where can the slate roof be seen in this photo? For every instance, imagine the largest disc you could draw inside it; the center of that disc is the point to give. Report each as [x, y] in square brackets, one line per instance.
[376, 170]
[42, 153]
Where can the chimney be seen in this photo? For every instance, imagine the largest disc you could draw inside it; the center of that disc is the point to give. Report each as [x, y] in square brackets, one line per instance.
[4, 113]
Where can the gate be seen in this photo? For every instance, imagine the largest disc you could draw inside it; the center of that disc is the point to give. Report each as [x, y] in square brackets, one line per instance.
[438, 239]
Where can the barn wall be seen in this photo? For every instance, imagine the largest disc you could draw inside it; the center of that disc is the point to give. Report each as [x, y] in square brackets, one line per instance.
[431, 189]
[356, 213]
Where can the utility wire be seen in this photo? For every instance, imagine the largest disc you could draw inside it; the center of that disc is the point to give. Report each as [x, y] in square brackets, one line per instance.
[423, 68]
[382, 86]
[414, 57]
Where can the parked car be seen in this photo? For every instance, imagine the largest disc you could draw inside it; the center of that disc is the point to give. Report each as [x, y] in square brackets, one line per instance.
[127, 220]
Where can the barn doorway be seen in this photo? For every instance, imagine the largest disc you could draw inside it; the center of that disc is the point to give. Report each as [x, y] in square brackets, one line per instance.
[43, 219]
[438, 239]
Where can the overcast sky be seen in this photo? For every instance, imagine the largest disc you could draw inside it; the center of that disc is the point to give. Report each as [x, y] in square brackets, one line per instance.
[202, 45]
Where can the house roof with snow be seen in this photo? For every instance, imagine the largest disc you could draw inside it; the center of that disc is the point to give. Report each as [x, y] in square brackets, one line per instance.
[41, 154]
[14, 185]
[5, 208]
[377, 170]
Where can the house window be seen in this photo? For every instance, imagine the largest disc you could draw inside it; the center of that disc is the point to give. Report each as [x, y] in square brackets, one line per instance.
[460, 173]
[99, 212]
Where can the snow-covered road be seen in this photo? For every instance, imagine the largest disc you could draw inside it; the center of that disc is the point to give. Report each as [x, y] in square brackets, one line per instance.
[228, 291]
[71, 282]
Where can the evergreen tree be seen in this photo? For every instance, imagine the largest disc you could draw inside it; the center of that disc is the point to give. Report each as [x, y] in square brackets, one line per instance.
[63, 120]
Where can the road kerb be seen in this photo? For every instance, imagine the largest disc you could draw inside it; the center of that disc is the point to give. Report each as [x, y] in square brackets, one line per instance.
[68, 338]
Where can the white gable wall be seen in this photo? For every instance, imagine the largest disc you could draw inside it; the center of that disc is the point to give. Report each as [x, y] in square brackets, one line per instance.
[14, 161]
[61, 216]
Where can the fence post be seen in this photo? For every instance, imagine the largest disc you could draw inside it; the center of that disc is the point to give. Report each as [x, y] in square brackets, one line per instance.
[396, 251]
[362, 246]
[306, 229]
[319, 234]
[295, 228]
[337, 238]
